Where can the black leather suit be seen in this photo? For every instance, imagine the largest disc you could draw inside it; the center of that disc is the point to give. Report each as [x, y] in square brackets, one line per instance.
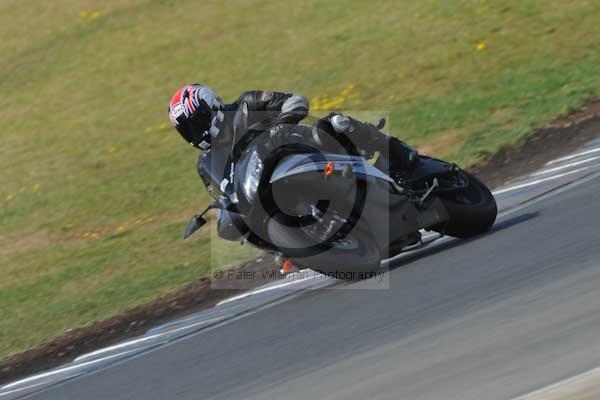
[288, 109]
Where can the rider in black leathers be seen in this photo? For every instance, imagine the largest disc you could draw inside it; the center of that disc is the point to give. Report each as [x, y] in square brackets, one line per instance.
[200, 117]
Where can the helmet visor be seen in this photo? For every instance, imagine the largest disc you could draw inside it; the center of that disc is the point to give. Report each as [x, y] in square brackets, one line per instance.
[194, 128]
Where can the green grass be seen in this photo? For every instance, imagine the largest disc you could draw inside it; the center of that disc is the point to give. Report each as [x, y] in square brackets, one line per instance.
[96, 188]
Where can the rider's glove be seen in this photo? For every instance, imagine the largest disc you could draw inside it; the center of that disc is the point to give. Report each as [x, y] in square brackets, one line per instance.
[294, 109]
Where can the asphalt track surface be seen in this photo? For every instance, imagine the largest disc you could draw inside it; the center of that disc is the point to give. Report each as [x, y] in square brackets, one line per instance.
[494, 317]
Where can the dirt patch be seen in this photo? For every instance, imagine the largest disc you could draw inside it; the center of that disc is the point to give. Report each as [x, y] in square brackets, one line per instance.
[447, 141]
[562, 136]
[28, 242]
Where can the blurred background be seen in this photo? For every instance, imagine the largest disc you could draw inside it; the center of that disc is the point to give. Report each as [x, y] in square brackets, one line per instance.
[96, 186]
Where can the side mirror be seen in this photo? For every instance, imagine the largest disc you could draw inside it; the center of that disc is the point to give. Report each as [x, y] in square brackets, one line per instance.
[381, 124]
[193, 225]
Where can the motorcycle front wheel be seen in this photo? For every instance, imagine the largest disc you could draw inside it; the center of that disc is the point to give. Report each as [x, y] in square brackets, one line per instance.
[356, 252]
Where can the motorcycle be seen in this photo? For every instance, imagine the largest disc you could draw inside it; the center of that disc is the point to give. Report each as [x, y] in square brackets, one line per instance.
[330, 207]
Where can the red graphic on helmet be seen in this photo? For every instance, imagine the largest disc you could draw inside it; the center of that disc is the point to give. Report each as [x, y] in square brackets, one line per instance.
[184, 101]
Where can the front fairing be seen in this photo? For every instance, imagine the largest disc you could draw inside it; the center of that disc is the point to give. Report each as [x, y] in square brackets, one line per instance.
[223, 167]
[245, 204]
[214, 167]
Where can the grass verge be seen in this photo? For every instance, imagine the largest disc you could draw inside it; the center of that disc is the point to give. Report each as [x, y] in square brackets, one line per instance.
[96, 187]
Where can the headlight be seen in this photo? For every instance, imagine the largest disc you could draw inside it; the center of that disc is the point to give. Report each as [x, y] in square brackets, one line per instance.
[253, 171]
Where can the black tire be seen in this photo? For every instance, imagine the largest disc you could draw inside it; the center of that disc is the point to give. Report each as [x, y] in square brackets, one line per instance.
[364, 257]
[472, 211]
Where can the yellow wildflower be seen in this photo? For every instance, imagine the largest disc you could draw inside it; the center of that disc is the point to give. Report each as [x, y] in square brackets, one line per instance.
[95, 14]
[36, 186]
[112, 150]
[149, 219]
[347, 90]
[138, 221]
[120, 228]
[480, 46]
[9, 197]
[94, 235]
[83, 14]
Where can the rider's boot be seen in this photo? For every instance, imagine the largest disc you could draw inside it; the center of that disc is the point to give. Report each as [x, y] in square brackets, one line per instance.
[402, 156]
[368, 137]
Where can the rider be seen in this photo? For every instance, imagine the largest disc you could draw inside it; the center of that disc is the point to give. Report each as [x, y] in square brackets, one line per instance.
[200, 116]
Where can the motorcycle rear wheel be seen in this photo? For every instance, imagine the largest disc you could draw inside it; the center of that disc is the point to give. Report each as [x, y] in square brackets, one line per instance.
[472, 210]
